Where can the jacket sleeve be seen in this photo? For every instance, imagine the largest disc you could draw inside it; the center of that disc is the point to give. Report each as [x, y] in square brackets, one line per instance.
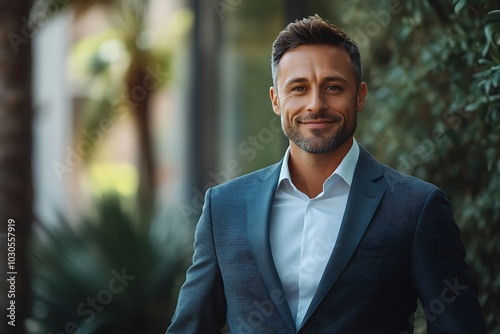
[441, 276]
[201, 307]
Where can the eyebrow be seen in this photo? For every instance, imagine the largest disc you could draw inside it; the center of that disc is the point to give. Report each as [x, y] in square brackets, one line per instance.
[326, 79]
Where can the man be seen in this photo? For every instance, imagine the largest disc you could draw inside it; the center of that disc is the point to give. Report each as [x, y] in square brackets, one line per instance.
[328, 240]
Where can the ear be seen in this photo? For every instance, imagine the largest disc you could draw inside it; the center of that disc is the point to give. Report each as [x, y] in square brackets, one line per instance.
[362, 91]
[273, 94]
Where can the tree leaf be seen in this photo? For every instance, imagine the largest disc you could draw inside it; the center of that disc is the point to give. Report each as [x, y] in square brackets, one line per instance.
[459, 5]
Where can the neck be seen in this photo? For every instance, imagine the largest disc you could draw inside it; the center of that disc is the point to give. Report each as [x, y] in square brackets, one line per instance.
[309, 171]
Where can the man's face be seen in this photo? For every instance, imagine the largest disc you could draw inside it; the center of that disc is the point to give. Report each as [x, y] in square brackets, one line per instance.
[317, 98]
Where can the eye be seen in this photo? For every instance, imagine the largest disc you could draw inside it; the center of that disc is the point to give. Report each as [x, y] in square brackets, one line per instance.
[333, 88]
[298, 88]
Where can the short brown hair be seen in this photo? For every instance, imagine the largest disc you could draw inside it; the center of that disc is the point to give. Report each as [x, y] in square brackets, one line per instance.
[314, 30]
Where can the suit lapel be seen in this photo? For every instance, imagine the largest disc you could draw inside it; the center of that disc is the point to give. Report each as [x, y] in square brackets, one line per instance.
[259, 210]
[364, 198]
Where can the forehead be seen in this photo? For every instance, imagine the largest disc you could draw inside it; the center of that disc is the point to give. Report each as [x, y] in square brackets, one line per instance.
[313, 61]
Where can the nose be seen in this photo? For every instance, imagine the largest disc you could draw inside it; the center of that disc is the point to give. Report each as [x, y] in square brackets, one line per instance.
[316, 101]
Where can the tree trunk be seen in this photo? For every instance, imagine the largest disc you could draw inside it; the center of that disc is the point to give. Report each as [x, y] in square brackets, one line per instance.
[16, 189]
[139, 97]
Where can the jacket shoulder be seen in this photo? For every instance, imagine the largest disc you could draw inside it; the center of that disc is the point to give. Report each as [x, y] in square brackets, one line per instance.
[407, 187]
[242, 182]
[406, 179]
[392, 179]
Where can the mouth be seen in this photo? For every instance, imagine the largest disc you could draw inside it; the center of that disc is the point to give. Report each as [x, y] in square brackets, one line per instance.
[318, 123]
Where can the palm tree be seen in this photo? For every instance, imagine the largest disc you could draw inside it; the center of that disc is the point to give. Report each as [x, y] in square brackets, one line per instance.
[78, 259]
[16, 189]
[127, 17]
[113, 239]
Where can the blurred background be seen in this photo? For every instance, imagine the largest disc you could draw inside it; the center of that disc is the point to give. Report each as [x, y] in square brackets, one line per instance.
[116, 116]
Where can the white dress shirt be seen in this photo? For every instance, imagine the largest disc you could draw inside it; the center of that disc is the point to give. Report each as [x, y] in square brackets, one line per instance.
[303, 231]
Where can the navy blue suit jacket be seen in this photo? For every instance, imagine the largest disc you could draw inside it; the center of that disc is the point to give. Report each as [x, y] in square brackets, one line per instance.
[398, 242]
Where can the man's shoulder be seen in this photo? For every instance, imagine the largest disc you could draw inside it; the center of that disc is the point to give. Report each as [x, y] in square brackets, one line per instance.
[409, 182]
[246, 180]
[397, 180]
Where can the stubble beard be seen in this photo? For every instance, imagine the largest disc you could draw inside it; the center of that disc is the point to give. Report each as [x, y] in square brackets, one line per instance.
[317, 143]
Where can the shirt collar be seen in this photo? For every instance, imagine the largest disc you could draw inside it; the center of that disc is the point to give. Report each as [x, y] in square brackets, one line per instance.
[345, 169]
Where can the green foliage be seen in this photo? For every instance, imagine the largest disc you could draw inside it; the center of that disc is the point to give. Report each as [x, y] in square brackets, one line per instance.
[433, 109]
[106, 274]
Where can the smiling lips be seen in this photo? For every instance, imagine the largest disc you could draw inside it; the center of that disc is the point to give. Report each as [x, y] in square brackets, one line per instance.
[318, 123]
